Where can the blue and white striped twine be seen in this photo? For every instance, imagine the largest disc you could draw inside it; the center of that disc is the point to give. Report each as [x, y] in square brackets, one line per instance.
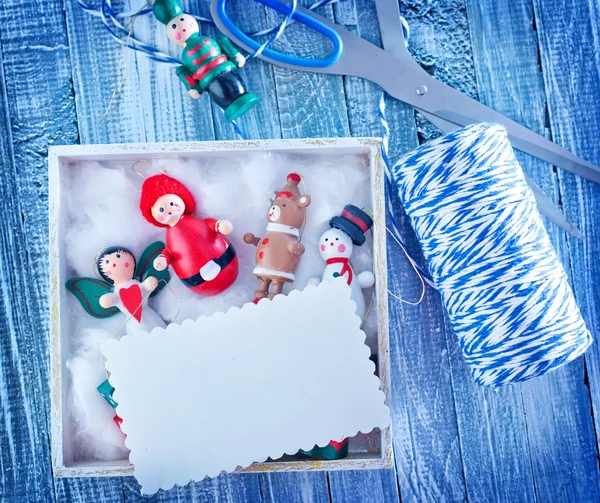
[505, 290]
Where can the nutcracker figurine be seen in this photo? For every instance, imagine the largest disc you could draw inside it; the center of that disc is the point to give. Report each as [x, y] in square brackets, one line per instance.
[208, 65]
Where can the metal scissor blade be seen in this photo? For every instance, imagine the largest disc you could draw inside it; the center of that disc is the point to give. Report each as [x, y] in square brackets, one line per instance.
[545, 205]
[417, 88]
[392, 37]
[522, 138]
[406, 81]
[391, 29]
[547, 208]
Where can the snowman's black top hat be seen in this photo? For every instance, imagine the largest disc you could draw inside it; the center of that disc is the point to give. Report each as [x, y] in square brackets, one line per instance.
[354, 222]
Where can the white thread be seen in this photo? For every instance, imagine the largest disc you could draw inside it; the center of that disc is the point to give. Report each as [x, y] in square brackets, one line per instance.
[277, 34]
[393, 227]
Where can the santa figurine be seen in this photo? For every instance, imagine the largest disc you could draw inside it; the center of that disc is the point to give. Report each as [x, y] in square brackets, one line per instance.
[208, 65]
[336, 246]
[196, 248]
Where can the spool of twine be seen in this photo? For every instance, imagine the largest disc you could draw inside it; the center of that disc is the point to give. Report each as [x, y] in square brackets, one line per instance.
[505, 291]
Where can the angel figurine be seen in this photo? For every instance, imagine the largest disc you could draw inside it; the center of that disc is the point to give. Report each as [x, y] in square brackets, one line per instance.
[125, 285]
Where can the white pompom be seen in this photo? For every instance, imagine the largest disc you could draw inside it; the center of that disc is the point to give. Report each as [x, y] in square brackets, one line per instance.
[366, 279]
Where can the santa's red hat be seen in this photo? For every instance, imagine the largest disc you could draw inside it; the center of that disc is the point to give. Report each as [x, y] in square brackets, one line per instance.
[158, 186]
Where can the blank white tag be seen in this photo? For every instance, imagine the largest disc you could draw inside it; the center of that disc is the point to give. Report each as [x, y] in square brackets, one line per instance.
[235, 388]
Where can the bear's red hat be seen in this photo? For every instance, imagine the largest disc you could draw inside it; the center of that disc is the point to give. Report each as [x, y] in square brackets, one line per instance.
[159, 185]
[291, 187]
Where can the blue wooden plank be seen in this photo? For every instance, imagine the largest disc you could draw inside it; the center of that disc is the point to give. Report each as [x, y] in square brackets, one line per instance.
[571, 73]
[262, 122]
[538, 432]
[24, 451]
[425, 432]
[169, 113]
[509, 416]
[301, 99]
[492, 423]
[37, 110]
[97, 66]
[234, 487]
[364, 486]
[310, 104]
[102, 490]
[295, 487]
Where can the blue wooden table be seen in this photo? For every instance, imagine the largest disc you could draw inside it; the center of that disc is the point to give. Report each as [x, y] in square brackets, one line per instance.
[536, 61]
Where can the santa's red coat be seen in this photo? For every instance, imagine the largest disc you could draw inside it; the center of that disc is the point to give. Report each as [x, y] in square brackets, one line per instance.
[192, 243]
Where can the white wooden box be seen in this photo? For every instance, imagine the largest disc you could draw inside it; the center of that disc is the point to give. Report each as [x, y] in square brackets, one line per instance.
[366, 451]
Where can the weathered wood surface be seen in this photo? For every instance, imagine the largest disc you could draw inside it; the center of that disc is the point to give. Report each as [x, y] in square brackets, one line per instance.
[535, 61]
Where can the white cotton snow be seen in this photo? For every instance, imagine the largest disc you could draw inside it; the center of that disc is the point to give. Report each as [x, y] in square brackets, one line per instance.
[100, 207]
[97, 435]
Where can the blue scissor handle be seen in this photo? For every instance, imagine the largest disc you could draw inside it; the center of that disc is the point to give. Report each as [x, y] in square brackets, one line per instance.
[285, 9]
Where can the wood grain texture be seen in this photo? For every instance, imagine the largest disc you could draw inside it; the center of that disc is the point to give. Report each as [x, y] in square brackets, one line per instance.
[263, 122]
[23, 420]
[231, 488]
[96, 63]
[508, 78]
[517, 418]
[102, 490]
[363, 486]
[136, 118]
[38, 110]
[310, 104]
[425, 433]
[179, 116]
[302, 99]
[571, 68]
[453, 441]
[294, 487]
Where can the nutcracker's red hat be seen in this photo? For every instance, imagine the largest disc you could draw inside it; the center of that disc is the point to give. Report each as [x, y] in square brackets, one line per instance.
[159, 185]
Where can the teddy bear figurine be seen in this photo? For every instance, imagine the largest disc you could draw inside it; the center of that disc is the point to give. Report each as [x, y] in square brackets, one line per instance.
[278, 252]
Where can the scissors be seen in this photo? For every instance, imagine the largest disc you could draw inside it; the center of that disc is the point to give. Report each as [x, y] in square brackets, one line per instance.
[402, 77]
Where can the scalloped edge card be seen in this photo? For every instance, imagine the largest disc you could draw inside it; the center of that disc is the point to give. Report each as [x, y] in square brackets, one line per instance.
[225, 391]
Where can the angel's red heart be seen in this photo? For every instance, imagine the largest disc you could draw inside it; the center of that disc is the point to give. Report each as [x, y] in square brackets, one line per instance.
[132, 300]
[338, 445]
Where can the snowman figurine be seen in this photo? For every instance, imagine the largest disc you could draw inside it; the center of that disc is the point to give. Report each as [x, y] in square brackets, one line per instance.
[336, 245]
